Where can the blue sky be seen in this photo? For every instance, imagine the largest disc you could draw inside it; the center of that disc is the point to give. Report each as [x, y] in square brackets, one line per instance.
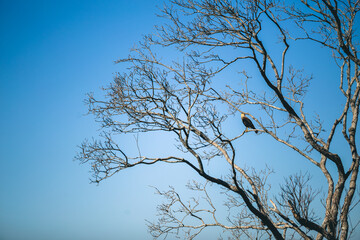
[52, 54]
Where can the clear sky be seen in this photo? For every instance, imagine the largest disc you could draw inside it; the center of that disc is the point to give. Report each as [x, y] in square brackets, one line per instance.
[52, 54]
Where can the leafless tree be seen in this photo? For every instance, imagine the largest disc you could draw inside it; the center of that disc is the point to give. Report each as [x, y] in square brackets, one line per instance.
[188, 99]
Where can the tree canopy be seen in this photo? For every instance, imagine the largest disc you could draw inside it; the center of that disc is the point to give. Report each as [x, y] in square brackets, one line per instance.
[183, 80]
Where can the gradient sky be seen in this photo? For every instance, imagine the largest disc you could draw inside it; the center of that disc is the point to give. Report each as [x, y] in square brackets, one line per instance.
[52, 54]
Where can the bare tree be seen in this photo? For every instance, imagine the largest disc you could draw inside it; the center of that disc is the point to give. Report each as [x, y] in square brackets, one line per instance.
[188, 100]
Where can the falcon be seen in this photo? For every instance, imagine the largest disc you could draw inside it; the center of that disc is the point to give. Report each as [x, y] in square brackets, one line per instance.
[247, 122]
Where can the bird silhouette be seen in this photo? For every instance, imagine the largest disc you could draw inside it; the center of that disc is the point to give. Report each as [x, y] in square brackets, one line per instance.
[247, 122]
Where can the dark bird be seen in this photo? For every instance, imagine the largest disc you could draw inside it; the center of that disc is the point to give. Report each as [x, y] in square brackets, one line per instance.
[247, 122]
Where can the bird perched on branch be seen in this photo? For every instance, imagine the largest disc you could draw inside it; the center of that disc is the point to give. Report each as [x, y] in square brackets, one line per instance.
[247, 122]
